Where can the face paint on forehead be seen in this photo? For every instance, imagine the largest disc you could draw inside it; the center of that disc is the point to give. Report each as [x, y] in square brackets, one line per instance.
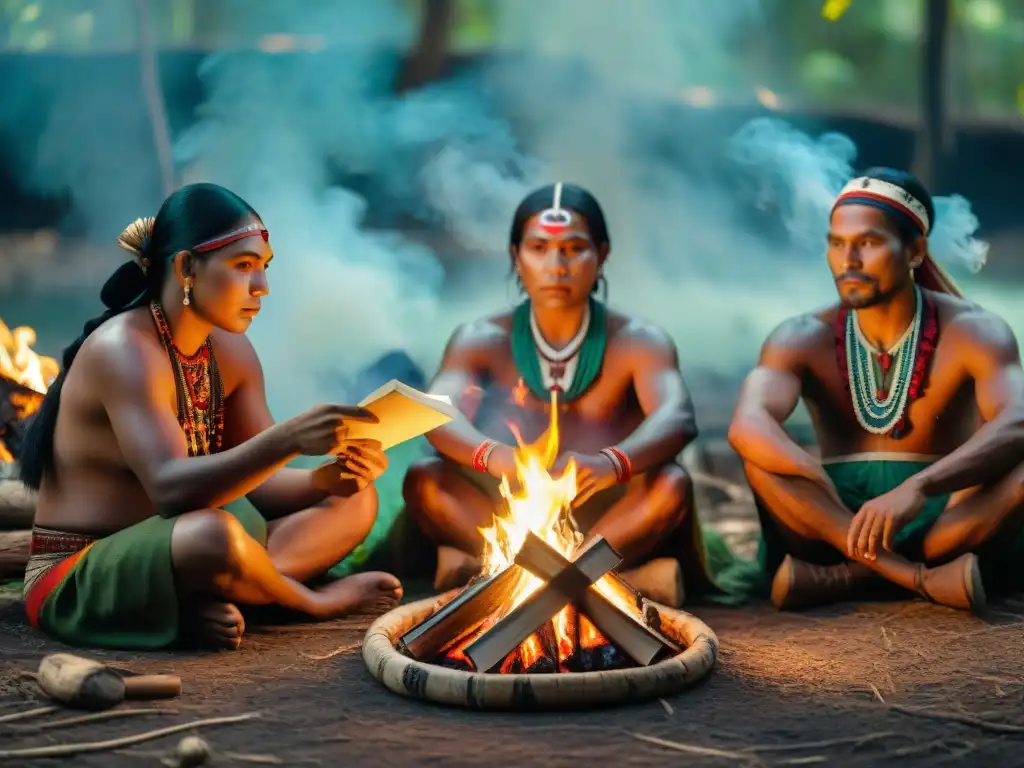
[555, 220]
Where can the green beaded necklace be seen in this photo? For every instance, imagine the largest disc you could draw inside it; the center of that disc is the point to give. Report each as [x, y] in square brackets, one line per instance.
[591, 354]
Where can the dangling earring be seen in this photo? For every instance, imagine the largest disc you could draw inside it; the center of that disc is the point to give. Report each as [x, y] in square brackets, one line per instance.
[188, 290]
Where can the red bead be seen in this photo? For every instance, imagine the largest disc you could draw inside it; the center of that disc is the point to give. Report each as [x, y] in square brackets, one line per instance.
[884, 361]
[880, 394]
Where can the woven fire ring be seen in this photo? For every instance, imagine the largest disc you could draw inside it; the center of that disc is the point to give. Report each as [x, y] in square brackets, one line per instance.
[431, 682]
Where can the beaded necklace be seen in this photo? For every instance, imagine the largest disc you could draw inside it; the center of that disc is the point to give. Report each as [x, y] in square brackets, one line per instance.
[584, 361]
[200, 391]
[882, 385]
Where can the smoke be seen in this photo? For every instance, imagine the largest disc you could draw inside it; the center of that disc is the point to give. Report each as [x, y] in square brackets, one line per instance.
[717, 241]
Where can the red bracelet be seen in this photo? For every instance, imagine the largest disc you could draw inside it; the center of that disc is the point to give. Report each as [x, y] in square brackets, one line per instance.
[623, 466]
[482, 454]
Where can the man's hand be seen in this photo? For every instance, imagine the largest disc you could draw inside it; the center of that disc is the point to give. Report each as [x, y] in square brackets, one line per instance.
[357, 465]
[880, 519]
[593, 474]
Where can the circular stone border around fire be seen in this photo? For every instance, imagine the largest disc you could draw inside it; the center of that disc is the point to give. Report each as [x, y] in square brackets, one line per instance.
[431, 682]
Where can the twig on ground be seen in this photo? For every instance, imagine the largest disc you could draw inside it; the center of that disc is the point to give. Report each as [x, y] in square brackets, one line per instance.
[812, 759]
[886, 641]
[240, 757]
[93, 718]
[27, 714]
[878, 694]
[667, 707]
[693, 749]
[955, 717]
[864, 739]
[335, 652]
[66, 750]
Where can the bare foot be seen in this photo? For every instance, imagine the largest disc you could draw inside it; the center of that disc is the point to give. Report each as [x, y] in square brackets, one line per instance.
[373, 592]
[215, 624]
[454, 568]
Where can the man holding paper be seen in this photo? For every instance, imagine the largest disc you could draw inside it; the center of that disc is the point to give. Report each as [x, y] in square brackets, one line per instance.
[624, 411]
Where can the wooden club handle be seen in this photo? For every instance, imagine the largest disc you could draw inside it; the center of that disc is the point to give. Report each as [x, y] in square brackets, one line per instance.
[152, 687]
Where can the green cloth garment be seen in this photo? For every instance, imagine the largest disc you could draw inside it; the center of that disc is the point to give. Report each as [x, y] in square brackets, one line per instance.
[858, 482]
[121, 594]
[591, 354]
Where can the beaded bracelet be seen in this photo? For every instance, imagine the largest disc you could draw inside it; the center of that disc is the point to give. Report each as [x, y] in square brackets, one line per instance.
[621, 462]
[482, 454]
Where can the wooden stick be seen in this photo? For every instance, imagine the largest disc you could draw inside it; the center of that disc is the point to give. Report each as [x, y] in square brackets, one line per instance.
[93, 718]
[626, 630]
[335, 652]
[864, 739]
[27, 714]
[955, 717]
[456, 619]
[14, 549]
[694, 750]
[66, 750]
[488, 650]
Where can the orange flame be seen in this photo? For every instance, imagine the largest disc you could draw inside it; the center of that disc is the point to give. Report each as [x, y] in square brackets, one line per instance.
[23, 366]
[541, 505]
[20, 364]
[519, 393]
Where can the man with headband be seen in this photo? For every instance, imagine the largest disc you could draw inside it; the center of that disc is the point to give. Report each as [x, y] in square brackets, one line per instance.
[624, 411]
[917, 399]
[158, 420]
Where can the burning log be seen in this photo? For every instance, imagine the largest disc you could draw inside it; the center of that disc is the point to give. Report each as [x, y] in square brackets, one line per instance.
[14, 546]
[462, 616]
[569, 584]
[629, 631]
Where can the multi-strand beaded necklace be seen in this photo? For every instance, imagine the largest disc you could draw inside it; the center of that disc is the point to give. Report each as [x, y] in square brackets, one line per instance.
[200, 391]
[883, 384]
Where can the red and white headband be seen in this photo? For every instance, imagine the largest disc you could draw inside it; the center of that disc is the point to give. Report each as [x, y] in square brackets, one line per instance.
[875, 191]
[219, 242]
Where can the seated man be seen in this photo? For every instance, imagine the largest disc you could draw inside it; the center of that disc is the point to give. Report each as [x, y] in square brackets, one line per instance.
[624, 410]
[156, 421]
[917, 399]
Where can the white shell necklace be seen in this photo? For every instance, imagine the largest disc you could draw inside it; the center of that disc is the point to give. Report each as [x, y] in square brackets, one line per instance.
[558, 366]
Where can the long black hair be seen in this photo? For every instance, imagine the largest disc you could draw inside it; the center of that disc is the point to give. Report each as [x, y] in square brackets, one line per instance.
[573, 198]
[191, 215]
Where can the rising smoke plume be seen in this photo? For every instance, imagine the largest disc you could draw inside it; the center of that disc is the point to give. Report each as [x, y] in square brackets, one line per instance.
[586, 98]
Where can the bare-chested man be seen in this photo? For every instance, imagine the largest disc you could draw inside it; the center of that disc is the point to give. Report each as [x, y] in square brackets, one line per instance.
[917, 398]
[158, 419]
[624, 410]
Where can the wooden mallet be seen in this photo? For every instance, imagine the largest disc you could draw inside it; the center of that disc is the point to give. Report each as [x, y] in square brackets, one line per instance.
[86, 684]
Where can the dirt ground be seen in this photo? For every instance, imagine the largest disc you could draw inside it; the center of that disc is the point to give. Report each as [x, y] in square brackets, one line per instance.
[899, 683]
[869, 685]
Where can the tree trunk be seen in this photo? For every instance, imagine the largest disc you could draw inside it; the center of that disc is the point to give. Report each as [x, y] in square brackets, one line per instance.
[149, 69]
[935, 141]
[429, 59]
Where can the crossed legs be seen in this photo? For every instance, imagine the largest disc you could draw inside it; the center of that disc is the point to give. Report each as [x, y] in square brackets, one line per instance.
[217, 564]
[808, 513]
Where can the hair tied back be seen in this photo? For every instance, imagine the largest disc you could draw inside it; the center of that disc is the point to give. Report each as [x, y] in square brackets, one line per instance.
[135, 239]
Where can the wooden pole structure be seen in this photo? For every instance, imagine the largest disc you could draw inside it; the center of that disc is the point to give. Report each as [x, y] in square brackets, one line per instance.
[935, 139]
[149, 66]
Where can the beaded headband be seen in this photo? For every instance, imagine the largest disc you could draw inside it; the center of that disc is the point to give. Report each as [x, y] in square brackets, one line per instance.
[230, 237]
[882, 193]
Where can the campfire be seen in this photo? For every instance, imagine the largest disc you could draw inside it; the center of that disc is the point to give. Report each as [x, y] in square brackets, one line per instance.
[24, 379]
[544, 602]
